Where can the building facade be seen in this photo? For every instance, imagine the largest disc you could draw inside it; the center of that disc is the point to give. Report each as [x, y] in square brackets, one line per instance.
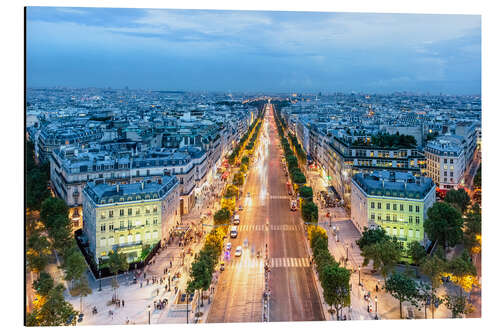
[127, 218]
[395, 201]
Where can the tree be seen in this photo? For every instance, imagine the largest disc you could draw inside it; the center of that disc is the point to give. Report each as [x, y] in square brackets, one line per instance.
[61, 233]
[245, 160]
[44, 284]
[458, 305]
[472, 232]
[433, 267]
[36, 262]
[37, 253]
[402, 288]
[458, 198]
[372, 236]
[54, 312]
[82, 289]
[444, 224]
[385, 255]
[462, 272]
[50, 209]
[222, 216]
[299, 178]
[36, 188]
[477, 177]
[306, 192]
[417, 254]
[336, 288]
[117, 262]
[38, 243]
[74, 267]
[238, 179]
[310, 212]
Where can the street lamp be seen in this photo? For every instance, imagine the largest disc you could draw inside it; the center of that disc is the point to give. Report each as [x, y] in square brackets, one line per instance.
[359, 275]
[149, 314]
[100, 286]
[376, 308]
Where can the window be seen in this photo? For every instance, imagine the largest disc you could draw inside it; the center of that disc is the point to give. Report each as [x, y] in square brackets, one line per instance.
[417, 209]
[372, 205]
[388, 206]
[401, 232]
[445, 173]
[401, 208]
[137, 173]
[122, 239]
[394, 218]
[103, 228]
[446, 166]
[379, 218]
[130, 211]
[111, 227]
[122, 224]
[410, 219]
[410, 208]
[394, 206]
[129, 224]
[451, 180]
[111, 241]
[122, 212]
[155, 234]
[155, 221]
[388, 217]
[137, 223]
[394, 231]
[372, 217]
[148, 235]
[379, 205]
[137, 237]
[417, 234]
[155, 210]
[147, 222]
[110, 213]
[410, 233]
[103, 242]
[451, 174]
[103, 215]
[445, 179]
[417, 219]
[130, 239]
[445, 160]
[137, 211]
[388, 230]
[451, 161]
[147, 209]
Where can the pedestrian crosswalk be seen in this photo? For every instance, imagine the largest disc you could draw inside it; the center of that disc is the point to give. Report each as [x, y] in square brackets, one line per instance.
[272, 197]
[258, 263]
[289, 262]
[263, 227]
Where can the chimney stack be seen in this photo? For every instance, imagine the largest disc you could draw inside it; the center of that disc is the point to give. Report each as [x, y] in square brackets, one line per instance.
[142, 185]
[117, 187]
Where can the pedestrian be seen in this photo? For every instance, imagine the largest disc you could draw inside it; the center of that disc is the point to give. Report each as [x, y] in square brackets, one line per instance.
[123, 303]
[141, 284]
[157, 292]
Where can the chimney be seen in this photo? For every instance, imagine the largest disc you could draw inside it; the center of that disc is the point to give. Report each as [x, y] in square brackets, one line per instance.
[142, 185]
[117, 187]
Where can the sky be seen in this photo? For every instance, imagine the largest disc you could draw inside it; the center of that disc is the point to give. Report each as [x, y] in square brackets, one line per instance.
[252, 51]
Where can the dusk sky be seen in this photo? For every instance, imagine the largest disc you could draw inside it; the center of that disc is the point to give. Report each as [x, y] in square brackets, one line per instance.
[253, 51]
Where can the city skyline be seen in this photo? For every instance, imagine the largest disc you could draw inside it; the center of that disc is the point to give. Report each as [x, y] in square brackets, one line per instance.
[206, 50]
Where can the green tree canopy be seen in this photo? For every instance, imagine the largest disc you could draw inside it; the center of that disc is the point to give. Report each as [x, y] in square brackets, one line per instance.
[416, 252]
[444, 224]
[385, 255]
[402, 288]
[310, 212]
[222, 216]
[306, 192]
[458, 305]
[336, 287]
[372, 236]
[54, 312]
[44, 284]
[50, 209]
[74, 266]
[238, 179]
[458, 198]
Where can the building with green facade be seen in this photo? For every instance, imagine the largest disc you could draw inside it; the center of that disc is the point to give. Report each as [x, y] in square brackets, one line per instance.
[129, 217]
[395, 201]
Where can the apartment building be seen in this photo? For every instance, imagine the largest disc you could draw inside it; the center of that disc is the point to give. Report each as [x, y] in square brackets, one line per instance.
[127, 218]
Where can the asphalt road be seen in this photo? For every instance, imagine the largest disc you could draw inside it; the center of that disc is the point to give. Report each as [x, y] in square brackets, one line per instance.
[239, 292]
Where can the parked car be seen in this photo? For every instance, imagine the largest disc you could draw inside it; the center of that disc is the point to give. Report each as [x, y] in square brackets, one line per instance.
[238, 252]
[234, 232]
[228, 246]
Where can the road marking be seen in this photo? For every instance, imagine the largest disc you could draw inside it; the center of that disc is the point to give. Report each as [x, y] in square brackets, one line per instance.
[289, 262]
[279, 197]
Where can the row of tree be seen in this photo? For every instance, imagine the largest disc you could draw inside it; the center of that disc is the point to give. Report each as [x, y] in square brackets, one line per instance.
[37, 179]
[335, 280]
[236, 151]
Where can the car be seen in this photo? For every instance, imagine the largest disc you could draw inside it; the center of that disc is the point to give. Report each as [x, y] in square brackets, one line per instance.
[248, 194]
[222, 266]
[234, 232]
[236, 219]
[240, 207]
[228, 246]
[238, 252]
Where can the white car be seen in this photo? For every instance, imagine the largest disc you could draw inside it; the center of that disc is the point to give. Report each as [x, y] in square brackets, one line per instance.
[228, 246]
[238, 252]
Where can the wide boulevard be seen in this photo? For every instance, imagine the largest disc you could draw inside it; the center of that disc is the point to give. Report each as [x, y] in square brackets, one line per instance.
[266, 219]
